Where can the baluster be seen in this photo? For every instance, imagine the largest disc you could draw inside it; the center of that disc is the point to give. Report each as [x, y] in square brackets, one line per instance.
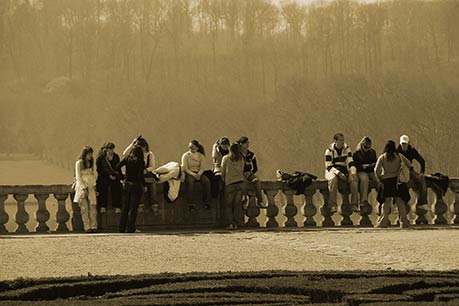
[456, 204]
[253, 211]
[289, 209]
[62, 215]
[346, 208]
[440, 208]
[421, 220]
[309, 210]
[325, 209]
[22, 217]
[77, 222]
[42, 214]
[272, 211]
[365, 211]
[3, 215]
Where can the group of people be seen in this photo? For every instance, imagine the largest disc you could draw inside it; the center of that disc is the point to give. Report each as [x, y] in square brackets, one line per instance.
[363, 166]
[131, 180]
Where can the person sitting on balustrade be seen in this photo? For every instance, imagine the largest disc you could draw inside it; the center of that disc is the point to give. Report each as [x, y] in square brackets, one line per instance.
[417, 179]
[339, 165]
[365, 161]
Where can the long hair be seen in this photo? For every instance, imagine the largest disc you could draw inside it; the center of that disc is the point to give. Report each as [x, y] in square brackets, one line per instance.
[199, 146]
[104, 148]
[223, 141]
[137, 153]
[363, 141]
[86, 163]
[143, 143]
[235, 150]
[390, 149]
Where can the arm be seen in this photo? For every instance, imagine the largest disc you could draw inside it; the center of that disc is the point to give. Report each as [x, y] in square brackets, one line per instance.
[350, 162]
[406, 161]
[358, 161]
[152, 165]
[224, 165]
[215, 156]
[378, 169]
[420, 160]
[129, 148]
[254, 164]
[185, 165]
[106, 167]
[78, 177]
[329, 163]
[202, 166]
[121, 164]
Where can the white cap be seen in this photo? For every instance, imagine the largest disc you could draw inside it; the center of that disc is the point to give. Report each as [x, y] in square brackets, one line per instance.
[404, 139]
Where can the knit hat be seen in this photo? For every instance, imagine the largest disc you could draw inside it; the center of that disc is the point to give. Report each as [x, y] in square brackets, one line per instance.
[404, 139]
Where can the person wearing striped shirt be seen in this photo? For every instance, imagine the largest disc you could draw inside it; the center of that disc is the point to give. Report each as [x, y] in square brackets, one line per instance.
[339, 165]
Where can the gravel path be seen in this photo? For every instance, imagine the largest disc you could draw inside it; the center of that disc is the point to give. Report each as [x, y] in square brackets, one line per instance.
[343, 249]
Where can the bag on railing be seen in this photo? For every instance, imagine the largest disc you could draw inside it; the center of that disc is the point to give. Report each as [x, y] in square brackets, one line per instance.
[404, 172]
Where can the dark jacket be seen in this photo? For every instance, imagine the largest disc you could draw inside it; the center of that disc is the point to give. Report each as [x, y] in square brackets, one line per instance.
[134, 170]
[362, 157]
[298, 181]
[106, 167]
[411, 153]
[250, 162]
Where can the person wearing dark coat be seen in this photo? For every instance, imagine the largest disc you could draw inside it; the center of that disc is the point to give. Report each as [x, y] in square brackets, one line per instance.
[417, 179]
[108, 178]
[365, 161]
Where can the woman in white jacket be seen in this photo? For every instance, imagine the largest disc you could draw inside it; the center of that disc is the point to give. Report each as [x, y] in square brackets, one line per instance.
[85, 189]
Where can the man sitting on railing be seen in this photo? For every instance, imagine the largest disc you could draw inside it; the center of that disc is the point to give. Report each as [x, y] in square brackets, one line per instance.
[339, 165]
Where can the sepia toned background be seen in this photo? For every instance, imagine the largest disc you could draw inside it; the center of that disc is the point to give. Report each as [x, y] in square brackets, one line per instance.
[286, 74]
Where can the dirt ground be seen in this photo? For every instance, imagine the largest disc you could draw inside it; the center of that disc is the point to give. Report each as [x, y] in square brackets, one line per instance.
[56, 255]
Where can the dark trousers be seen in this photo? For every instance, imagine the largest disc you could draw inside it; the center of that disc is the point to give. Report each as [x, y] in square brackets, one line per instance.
[149, 197]
[104, 188]
[420, 184]
[132, 194]
[234, 214]
[205, 183]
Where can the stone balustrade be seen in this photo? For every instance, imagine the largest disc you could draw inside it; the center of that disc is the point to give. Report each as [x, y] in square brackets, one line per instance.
[285, 209]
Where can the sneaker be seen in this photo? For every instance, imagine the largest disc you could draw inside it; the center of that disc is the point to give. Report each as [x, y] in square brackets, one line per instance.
[424, 207]
[103, 210]
[405, 225]
[235, 226]
[355, 208]
[261, 205]
[140, 209]
[117, 210]
[333, 209]
[380, 226]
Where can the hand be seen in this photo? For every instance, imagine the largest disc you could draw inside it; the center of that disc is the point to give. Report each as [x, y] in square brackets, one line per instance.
[144, 189]
[354, 177]
[364, 166]
[247, 173]
[197, 176]
[112, 177]
[341, 176]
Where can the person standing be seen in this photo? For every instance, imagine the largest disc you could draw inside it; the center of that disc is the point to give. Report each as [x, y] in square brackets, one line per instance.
[339, 165]
[251, 168]
[232, 172]
[108, 178]
[194, 165]
[417, 179]
[387, 170]
[85, 189]
[134, 186]
[364, 161]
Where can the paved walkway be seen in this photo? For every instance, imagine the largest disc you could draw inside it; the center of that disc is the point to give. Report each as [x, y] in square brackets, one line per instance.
[344, 249]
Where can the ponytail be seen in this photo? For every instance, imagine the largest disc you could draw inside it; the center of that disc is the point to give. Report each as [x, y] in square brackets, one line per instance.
[199, 146]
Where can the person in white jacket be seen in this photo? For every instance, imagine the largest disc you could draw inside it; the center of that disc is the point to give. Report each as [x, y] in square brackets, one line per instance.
[85, 189]
[339, 165]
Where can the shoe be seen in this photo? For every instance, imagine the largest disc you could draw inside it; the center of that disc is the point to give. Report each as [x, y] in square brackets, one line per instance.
[137, 231]
[103, 210]
[206, 206]
[355, 208]
[191, 207]
[405, 225]
[234, 226]
[261, 205]
[117, 210]
[140, 209]
[424, 207]
[229, 227]
[380, 226]
[245, 202]
[333, 209]
[89, 231]
[155, 209]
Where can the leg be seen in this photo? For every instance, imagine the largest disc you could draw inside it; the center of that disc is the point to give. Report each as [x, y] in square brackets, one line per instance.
[102, 194]
[333, 191]
[238, 212]
[205, 183]
[257, 184]
[125, 210]
[364, 181]
[354, 186]
[419, 181]
[229, 198]
[189, 188]
[133, 207]
[383, 220]
[401, 205]
[84, 209]
[117, 194]
[93, 215]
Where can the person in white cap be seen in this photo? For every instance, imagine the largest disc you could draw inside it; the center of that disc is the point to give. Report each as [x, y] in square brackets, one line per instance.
[339, 165]
[418, 179]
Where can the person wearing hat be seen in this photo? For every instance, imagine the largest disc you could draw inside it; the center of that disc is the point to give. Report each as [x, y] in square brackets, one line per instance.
[418, 179]
[365, 161]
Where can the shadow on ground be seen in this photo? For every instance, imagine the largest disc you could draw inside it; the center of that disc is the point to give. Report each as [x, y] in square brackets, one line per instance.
[257, 288]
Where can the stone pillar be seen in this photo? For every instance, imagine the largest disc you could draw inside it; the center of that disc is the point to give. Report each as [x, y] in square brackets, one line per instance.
[3, 215]
[309, 210]
[22, 217]
[456, 204]
[440, 208]
[77, 222]
[346, 209]
[252, 211]
[42, 214]
[289, 209]
[272, 211]
[62, 215]
[421, 220]
[325, 210]
[365, 211]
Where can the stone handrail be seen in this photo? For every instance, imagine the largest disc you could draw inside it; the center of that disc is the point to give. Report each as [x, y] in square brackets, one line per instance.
[284, 209]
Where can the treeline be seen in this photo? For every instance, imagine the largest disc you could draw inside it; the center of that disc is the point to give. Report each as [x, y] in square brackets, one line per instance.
[76, 72]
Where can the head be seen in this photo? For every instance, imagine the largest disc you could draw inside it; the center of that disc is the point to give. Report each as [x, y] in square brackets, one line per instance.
[195, 146]
[365, 143]
[390, 149]
[244, 142]
[339, 140]
[109, 148]
[136, 153]
[224, 143]
[235, 151]
[86, 156]
[404, 142]
[142, 142]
